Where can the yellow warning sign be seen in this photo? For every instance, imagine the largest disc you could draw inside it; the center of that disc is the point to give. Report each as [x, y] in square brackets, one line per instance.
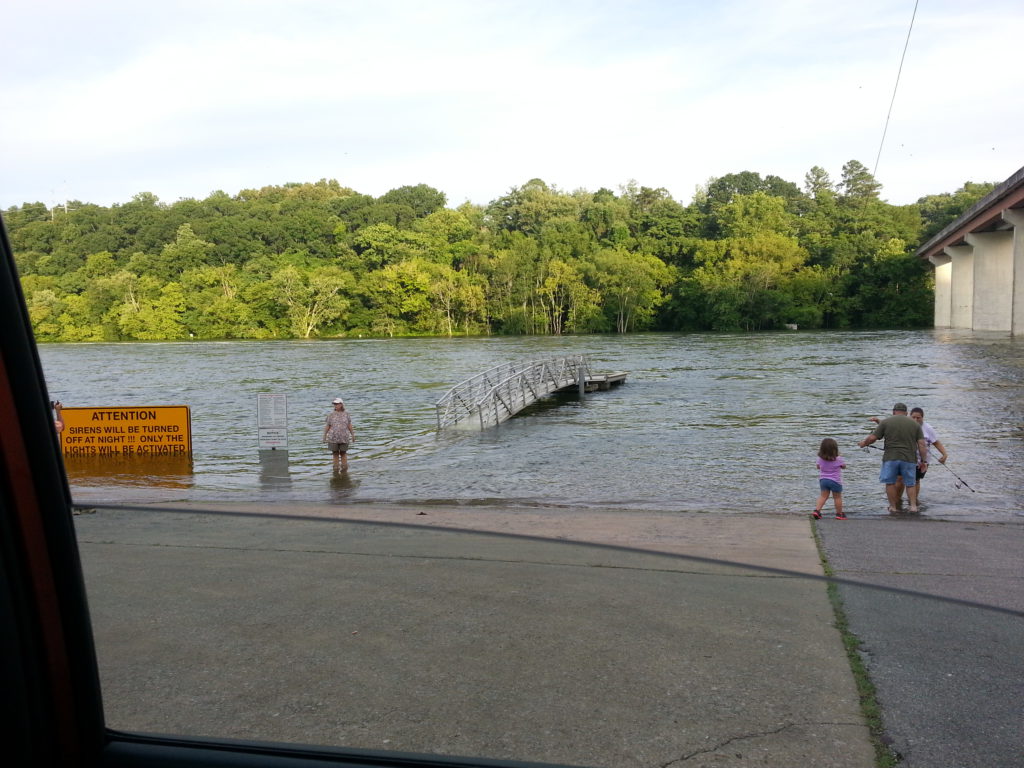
[148, 431]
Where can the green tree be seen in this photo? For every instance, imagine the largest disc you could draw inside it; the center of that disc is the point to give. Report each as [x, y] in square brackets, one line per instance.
[608, 218]
[136, 314]
[313, 297]
[44, 311]
[722, 191]
[746, 280]
[569, 304]
[145, 223]
[663, 228]
[215, 306]
[447, 237]
[186, 252]
[817, 182]
[939, 210]
[528, 208]
[77, 322]
[631, 286]
[160, 318]
[382, 244]
[857, 183]
[891, 290]
[749, 215]
[512, 273]
[458, 298]
[400, 298]
[421, 199]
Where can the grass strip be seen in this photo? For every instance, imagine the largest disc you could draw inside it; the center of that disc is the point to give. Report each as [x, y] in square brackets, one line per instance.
[866, 693]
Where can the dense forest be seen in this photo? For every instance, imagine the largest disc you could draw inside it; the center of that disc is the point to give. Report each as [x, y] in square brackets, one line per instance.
[319, 260]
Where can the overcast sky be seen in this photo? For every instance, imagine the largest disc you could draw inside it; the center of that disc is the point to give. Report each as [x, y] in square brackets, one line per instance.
[102, 99]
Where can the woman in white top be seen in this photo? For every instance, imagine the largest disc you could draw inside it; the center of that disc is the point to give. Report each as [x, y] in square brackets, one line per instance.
[930, 438]
[917, 414]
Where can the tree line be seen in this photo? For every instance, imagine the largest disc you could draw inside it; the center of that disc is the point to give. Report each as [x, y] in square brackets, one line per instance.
[319, 260]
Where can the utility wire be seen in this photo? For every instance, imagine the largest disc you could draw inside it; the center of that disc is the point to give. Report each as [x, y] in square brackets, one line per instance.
[893, 101]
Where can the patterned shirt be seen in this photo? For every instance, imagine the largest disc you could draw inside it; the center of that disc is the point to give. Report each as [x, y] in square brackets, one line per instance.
[339, 427]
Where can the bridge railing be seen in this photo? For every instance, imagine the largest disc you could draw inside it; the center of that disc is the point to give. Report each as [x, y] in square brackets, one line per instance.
[463, 399]
[498, 393]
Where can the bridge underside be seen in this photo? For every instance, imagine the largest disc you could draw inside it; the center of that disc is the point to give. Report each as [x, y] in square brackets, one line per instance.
[979, 264]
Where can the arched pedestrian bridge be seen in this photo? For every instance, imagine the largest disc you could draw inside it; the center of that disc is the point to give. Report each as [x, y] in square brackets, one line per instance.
[495, 395]
[979, 263]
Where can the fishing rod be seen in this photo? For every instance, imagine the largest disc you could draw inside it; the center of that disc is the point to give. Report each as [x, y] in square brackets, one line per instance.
[960, 481]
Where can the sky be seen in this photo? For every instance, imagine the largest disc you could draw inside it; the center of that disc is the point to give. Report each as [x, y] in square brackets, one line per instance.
[106, 99]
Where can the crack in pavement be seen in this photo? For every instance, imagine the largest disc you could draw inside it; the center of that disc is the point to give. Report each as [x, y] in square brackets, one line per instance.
[743, 737]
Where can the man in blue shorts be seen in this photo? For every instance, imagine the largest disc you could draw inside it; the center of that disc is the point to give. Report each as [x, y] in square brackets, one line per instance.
[904, 441]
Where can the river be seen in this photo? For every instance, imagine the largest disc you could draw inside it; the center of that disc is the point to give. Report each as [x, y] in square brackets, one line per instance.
[705, 422]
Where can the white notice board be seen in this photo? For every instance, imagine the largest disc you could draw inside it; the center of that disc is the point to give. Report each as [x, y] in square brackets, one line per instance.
[272, 420]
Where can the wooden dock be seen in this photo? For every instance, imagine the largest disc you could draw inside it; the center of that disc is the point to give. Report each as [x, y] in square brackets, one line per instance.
[600, 382]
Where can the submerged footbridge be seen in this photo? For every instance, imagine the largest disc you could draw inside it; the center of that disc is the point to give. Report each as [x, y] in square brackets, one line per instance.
[495, 395]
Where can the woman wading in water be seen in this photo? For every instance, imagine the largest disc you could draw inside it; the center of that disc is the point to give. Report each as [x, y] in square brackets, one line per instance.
[338, 433]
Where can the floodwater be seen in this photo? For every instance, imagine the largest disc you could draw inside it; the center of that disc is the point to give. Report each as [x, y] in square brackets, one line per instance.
[705, 422]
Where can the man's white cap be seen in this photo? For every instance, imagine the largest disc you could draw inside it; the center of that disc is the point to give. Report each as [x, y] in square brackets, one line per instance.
[338, 400]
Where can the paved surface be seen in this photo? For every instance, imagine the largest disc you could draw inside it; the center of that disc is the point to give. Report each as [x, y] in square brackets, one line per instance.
[387, 630]
[416, 638]
[950, 677]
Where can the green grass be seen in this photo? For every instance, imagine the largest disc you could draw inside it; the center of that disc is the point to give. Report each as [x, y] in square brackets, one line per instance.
[884, 756]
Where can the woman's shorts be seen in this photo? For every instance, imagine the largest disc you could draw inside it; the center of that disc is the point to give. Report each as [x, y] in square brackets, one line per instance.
[338, 447]
[830, 485]
[891, 470]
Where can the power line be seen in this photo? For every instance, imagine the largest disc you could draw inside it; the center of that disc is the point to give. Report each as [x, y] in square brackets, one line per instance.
[893, 101]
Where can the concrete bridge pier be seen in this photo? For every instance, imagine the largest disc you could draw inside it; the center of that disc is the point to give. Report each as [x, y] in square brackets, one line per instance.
[955, 308]
[1016, 218]
[993, 279]
[943, 263]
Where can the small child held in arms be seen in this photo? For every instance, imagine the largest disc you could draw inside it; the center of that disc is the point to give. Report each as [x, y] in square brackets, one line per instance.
[830, 477]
